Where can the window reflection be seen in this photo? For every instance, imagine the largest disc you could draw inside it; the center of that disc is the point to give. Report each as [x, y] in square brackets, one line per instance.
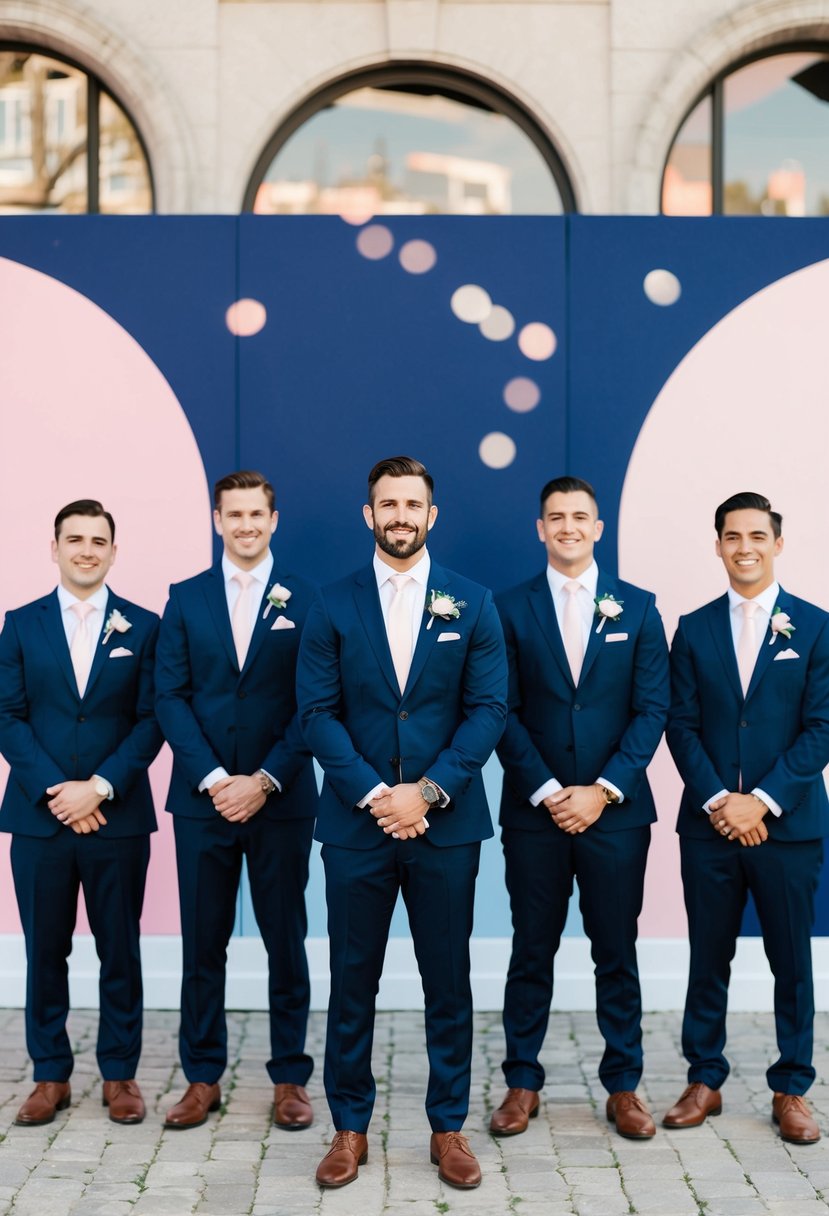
[44, 155]
[686, 186]
[389, 151]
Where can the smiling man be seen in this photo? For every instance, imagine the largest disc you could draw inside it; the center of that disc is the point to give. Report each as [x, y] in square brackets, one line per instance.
[588, 697]
[242, 786]
[401, 684]
[78, 729]
[749, 731]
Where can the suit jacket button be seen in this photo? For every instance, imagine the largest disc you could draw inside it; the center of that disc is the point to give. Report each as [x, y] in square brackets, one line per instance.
[241, 695]
[569, 747]
[576, 707]
[394, 761]
[403, 715]
[744, 724]
[81, 718]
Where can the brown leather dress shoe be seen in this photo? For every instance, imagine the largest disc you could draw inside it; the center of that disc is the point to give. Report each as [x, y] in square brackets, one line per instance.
[291, 1107]
[514, 1113]
[796, 1121]
[124, 1101]
[457, 1164]
[198, 1101]
[340, 1165]
[694, 1106]
[631, 1116]
[43, 1102]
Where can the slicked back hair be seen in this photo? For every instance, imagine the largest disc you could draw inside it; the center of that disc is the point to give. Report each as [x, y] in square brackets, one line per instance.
[243, 479]
[746, 500]
[399, 466]
[567, 485]
[84, 506]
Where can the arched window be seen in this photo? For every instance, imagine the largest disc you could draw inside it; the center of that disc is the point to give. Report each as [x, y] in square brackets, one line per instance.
[410, 139]
[757, 141]
[66, 144]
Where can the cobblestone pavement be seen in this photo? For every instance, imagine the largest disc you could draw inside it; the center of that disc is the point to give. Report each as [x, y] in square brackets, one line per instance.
[569, 1161]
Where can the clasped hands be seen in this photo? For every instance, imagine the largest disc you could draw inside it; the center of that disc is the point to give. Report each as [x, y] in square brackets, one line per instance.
[740, 817]
[576, 807]
[77, 804]
[399, 811]
[237, 798]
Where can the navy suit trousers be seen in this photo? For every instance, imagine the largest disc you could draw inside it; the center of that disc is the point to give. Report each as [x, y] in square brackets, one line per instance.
[438, 888]
[209, 856]
[610, 870]
[48, 872]
[782, 876]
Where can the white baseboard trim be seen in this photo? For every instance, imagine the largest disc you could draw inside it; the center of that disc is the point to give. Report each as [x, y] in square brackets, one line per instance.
[662, 964]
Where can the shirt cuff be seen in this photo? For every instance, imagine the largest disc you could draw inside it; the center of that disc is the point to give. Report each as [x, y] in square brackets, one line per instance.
[375, 793]
[111, 791]
[706, 806]
[614, 789]
[549, 787]
[775, 807]
[271, 777]
[212, 777]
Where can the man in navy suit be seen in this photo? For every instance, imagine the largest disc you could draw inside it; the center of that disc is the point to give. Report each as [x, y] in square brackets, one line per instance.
[242, 786]
[589, 692]
[77, 728]
[401, 686]
[749, 731]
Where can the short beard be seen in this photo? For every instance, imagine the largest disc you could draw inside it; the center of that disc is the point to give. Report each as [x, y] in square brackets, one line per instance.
[400, 549]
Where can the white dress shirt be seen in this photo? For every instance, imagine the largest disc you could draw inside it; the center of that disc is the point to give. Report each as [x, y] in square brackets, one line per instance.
[94, 625]
[586, 601]
[765, 606]
[261, 575]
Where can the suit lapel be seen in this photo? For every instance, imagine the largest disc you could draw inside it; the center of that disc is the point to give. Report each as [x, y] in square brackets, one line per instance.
[367, 601]
[214, 592]
[261, 625]
[767, 651]
[52, 622]
[595, 638]
[720, 622]
[543, 609]
[101, 652]
[427, 638]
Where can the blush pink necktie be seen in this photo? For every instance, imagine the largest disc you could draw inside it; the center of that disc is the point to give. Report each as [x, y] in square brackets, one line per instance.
[240, 622]
[399, 629]
[81, 649]
[747, 645]
[572, 632]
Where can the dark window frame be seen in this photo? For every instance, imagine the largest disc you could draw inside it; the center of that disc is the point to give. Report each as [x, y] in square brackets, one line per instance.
[452, 82]
[715, 89]
[95, 89]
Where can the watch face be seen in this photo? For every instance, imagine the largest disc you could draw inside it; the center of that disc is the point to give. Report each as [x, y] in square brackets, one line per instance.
[430, 794]
[101, 789]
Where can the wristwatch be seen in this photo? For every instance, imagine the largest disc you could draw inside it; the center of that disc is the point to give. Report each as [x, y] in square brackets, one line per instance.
[429, 792]
[268, 786]
[610, 796]
[101, 787]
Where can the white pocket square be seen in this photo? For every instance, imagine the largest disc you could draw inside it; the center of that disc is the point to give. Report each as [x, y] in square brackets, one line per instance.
[282, 622]
[121, 652]
[449, 637]
[616, 637]
[786, 654]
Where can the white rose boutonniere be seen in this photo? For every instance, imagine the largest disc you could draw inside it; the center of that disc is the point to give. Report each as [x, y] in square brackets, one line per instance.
[608, 608]
[116, 622]
[439, 604]
[278, 597]
[780, 622]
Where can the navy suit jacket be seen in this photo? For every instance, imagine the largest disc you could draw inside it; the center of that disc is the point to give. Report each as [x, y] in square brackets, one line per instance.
[49, 733]
[214, 715]
[363, 731]
[777, 736]
[607, 726]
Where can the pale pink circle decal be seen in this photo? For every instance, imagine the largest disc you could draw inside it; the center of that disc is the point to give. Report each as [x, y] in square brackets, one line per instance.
[101, 422]
[471, 304]
[500, 324]
[662, 287]
[356, 214]
[496, 450]
[537, 341]
[702, 442]
[418, 257]
[246, 317]
[375, 242]
[522, 395]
